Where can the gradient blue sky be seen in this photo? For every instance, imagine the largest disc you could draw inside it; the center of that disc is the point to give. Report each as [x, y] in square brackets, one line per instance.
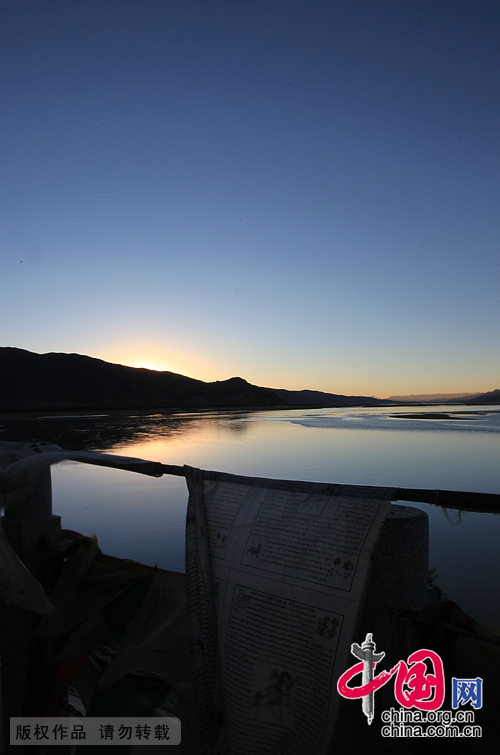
[302, 193]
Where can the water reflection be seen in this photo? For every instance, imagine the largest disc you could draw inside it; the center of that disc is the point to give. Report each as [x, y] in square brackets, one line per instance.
[143, 518]
[101, 432]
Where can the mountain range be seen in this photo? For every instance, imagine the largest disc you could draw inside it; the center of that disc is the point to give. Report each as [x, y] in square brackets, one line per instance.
[434, 398]
[319, 398]
[54, 381]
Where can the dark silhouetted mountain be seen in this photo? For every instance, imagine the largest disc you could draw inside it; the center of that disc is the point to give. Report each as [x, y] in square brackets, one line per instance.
[31, 381]
[320, 399]
[492, 397]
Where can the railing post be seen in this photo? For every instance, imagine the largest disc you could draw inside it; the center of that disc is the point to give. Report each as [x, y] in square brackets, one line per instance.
[398, 579]
[26, 526]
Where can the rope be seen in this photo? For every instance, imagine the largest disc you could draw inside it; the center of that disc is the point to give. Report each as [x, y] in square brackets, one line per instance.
[484, 503]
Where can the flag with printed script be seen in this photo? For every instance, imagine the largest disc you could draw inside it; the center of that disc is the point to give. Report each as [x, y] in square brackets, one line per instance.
[275, 574]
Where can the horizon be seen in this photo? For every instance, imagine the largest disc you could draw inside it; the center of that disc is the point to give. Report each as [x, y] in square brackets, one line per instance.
[299, 193]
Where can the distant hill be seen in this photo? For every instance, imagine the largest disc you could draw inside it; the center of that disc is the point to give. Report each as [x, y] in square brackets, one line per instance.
[320, 399]
[492, 397]
[31, 381]
[433, 398]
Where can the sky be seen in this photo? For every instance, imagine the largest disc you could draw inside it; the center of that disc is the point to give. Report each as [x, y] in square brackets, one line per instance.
[301, 193]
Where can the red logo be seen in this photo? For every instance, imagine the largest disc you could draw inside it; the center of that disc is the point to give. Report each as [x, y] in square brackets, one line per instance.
[417, 685]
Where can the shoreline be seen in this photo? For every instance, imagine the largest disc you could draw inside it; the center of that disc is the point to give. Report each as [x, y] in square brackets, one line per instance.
[62, 412]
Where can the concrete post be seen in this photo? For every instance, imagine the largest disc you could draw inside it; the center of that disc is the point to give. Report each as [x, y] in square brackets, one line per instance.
[25, 526]
[400, 562]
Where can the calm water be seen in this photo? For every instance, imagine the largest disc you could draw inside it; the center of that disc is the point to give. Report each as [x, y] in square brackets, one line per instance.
[143, 518]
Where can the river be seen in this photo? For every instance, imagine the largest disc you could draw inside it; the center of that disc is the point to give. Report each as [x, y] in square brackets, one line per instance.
[448, 448]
